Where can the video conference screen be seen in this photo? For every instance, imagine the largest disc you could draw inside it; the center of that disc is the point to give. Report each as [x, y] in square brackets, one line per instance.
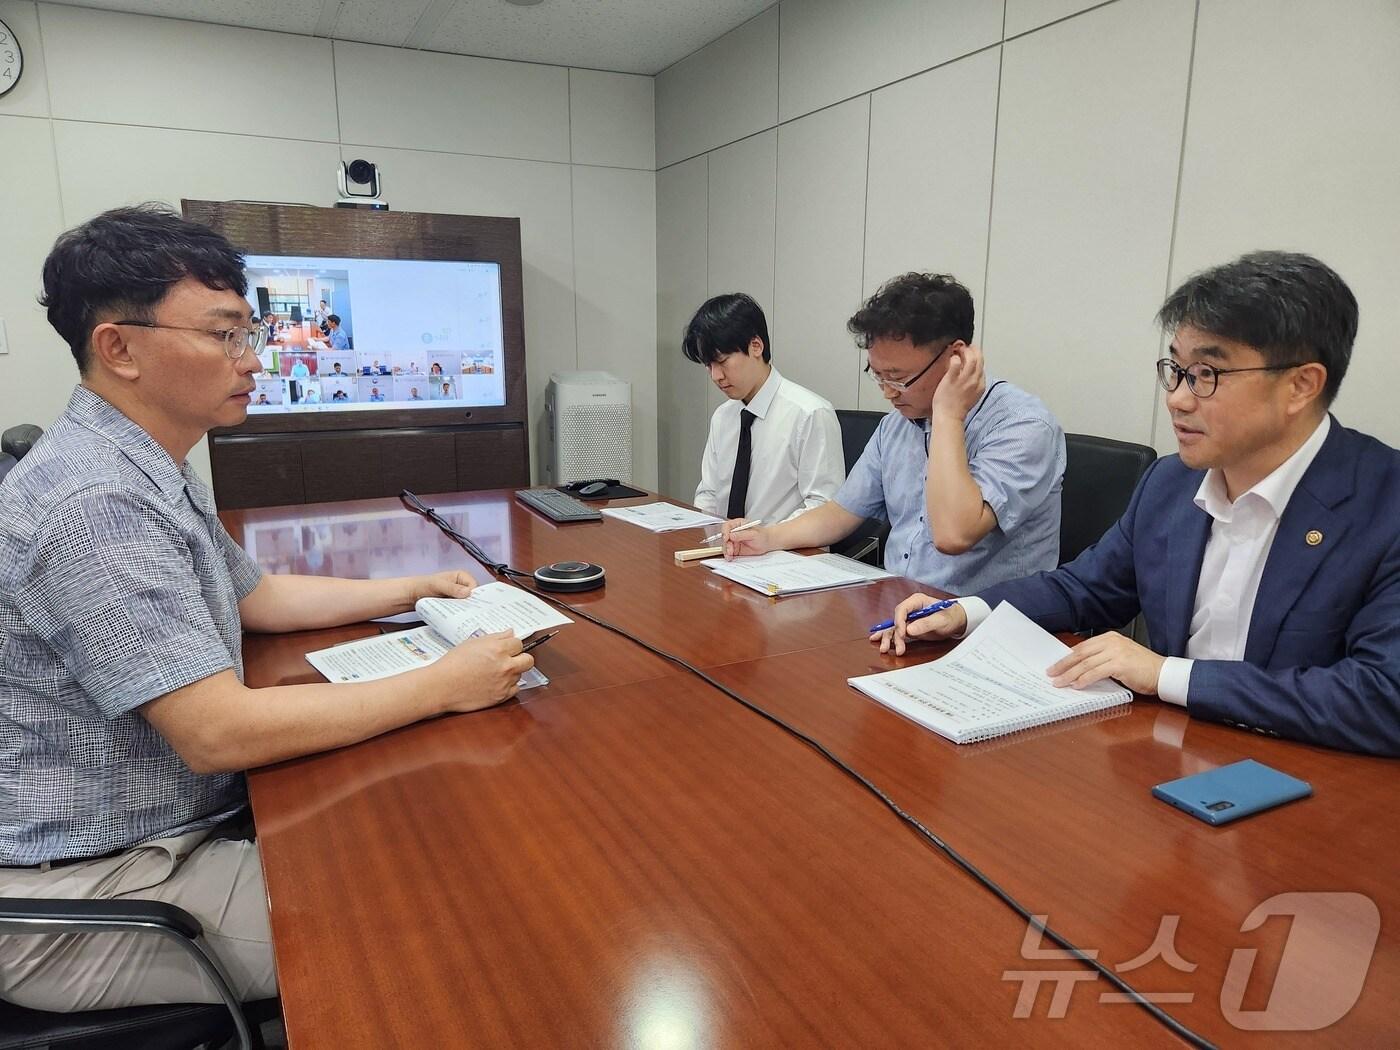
[365, 334]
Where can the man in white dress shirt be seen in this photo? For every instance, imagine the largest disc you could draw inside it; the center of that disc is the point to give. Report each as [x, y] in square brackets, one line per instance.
[774, 448]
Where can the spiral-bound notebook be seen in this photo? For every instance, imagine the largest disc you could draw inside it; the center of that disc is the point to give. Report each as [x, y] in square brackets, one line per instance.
[991, 684]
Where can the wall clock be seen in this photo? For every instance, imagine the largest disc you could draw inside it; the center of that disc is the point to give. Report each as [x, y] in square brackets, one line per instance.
[11, 58]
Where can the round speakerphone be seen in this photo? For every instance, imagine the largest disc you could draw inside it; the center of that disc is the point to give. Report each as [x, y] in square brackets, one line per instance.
[569, 576]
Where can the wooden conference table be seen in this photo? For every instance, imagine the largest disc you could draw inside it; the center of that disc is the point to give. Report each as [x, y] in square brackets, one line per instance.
[628, 858]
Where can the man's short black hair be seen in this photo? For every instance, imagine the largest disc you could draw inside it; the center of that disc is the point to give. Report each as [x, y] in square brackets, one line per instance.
[1290, 307]
[123, 263]
[332, 319]
[923, 307]
[724, 325]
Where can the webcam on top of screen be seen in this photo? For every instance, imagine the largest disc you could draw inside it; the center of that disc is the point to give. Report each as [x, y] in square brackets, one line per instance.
[360, 173]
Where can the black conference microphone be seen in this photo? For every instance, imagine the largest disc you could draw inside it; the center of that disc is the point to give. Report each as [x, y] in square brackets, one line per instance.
[566, 576]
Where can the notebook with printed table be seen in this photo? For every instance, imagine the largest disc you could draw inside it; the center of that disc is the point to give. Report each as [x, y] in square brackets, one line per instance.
[781, 572]
[991, 684]
[662, 517]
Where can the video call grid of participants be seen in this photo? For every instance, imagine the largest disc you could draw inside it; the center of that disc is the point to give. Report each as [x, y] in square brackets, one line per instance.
[310, 377]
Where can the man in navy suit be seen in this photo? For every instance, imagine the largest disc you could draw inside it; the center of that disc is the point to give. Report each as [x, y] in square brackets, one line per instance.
[1265, 556]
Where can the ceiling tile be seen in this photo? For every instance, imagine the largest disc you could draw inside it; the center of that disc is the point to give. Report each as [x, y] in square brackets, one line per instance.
[377, 22]
[281, 16]
[626, 36]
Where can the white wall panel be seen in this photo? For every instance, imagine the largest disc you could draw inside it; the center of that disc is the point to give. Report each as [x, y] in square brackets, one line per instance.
[1088, 143]
[615, 291]
[30, 95]
[726, 90]
[422, 100]
[683, 418]
[539, 194]
[103, 165]
[743, 214]
[821, 222]
[743, 195]
[611, 119]
[836, 49]
[931, 144]
[161, 72]
[1302, 155]
[38, 373]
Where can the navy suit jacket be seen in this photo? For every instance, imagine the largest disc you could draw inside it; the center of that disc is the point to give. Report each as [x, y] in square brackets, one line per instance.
[1322, 657]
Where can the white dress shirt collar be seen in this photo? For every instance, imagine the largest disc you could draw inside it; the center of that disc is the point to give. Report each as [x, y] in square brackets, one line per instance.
[762, 401]
[1232, 565]
[1276, 489]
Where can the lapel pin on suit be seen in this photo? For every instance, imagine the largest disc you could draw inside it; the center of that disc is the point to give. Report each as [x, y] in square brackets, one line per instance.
[1313, 538]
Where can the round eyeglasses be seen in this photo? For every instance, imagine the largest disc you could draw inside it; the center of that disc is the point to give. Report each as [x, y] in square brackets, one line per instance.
[1202, 379]
[237, 341]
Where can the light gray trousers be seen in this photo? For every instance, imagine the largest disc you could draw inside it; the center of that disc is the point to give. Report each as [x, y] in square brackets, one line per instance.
[217, 880]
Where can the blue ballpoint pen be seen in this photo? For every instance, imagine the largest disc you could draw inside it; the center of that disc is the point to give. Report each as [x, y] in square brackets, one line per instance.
[917, 614]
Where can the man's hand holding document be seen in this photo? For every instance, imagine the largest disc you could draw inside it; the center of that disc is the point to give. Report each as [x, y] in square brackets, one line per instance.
[470, 635]
[993, 683]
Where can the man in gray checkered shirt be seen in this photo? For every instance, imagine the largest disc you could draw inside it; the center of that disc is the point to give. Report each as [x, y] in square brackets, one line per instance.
[124, 721]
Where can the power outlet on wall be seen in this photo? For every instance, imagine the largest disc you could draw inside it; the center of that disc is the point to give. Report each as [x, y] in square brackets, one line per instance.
[4, 343]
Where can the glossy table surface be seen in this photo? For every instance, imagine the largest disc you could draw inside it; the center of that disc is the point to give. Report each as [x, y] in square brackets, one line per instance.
[626, 857]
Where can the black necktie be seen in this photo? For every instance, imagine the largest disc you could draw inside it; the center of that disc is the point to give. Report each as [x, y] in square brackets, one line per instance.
[739, 486]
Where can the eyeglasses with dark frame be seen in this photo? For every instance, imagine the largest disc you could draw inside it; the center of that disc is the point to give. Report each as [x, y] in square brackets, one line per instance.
[1201, 378]
[237, 341]
[900, 386]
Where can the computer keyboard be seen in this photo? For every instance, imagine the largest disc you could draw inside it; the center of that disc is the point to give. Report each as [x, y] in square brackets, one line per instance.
[556, 505]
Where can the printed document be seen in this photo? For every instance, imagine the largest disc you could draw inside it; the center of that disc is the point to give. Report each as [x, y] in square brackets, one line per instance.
[663, 517]
[991, 684]
[490, 608]
[782, 572]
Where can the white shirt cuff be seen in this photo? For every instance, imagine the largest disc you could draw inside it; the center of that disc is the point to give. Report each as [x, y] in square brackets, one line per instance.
[1174, 680]
[976, 611]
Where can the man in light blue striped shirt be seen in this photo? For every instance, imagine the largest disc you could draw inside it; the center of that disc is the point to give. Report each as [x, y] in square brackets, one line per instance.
[967, 469]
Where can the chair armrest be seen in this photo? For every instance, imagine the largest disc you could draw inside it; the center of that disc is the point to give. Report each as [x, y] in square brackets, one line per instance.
[865, 550]
[142, 913]
[20, 915]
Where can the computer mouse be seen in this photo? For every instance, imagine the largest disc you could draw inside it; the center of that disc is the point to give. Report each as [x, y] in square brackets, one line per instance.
[593, 488]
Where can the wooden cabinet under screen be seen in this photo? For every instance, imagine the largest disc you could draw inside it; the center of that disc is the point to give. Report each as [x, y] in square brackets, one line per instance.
[396, 358]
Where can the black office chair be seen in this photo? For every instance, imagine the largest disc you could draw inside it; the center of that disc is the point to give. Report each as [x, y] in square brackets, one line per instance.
[18, 440]
[1100, 476]
[14, 443]
[867, 543]
[177, 1027]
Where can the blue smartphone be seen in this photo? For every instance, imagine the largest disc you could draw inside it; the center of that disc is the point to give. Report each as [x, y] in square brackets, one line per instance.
[1228, 793]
